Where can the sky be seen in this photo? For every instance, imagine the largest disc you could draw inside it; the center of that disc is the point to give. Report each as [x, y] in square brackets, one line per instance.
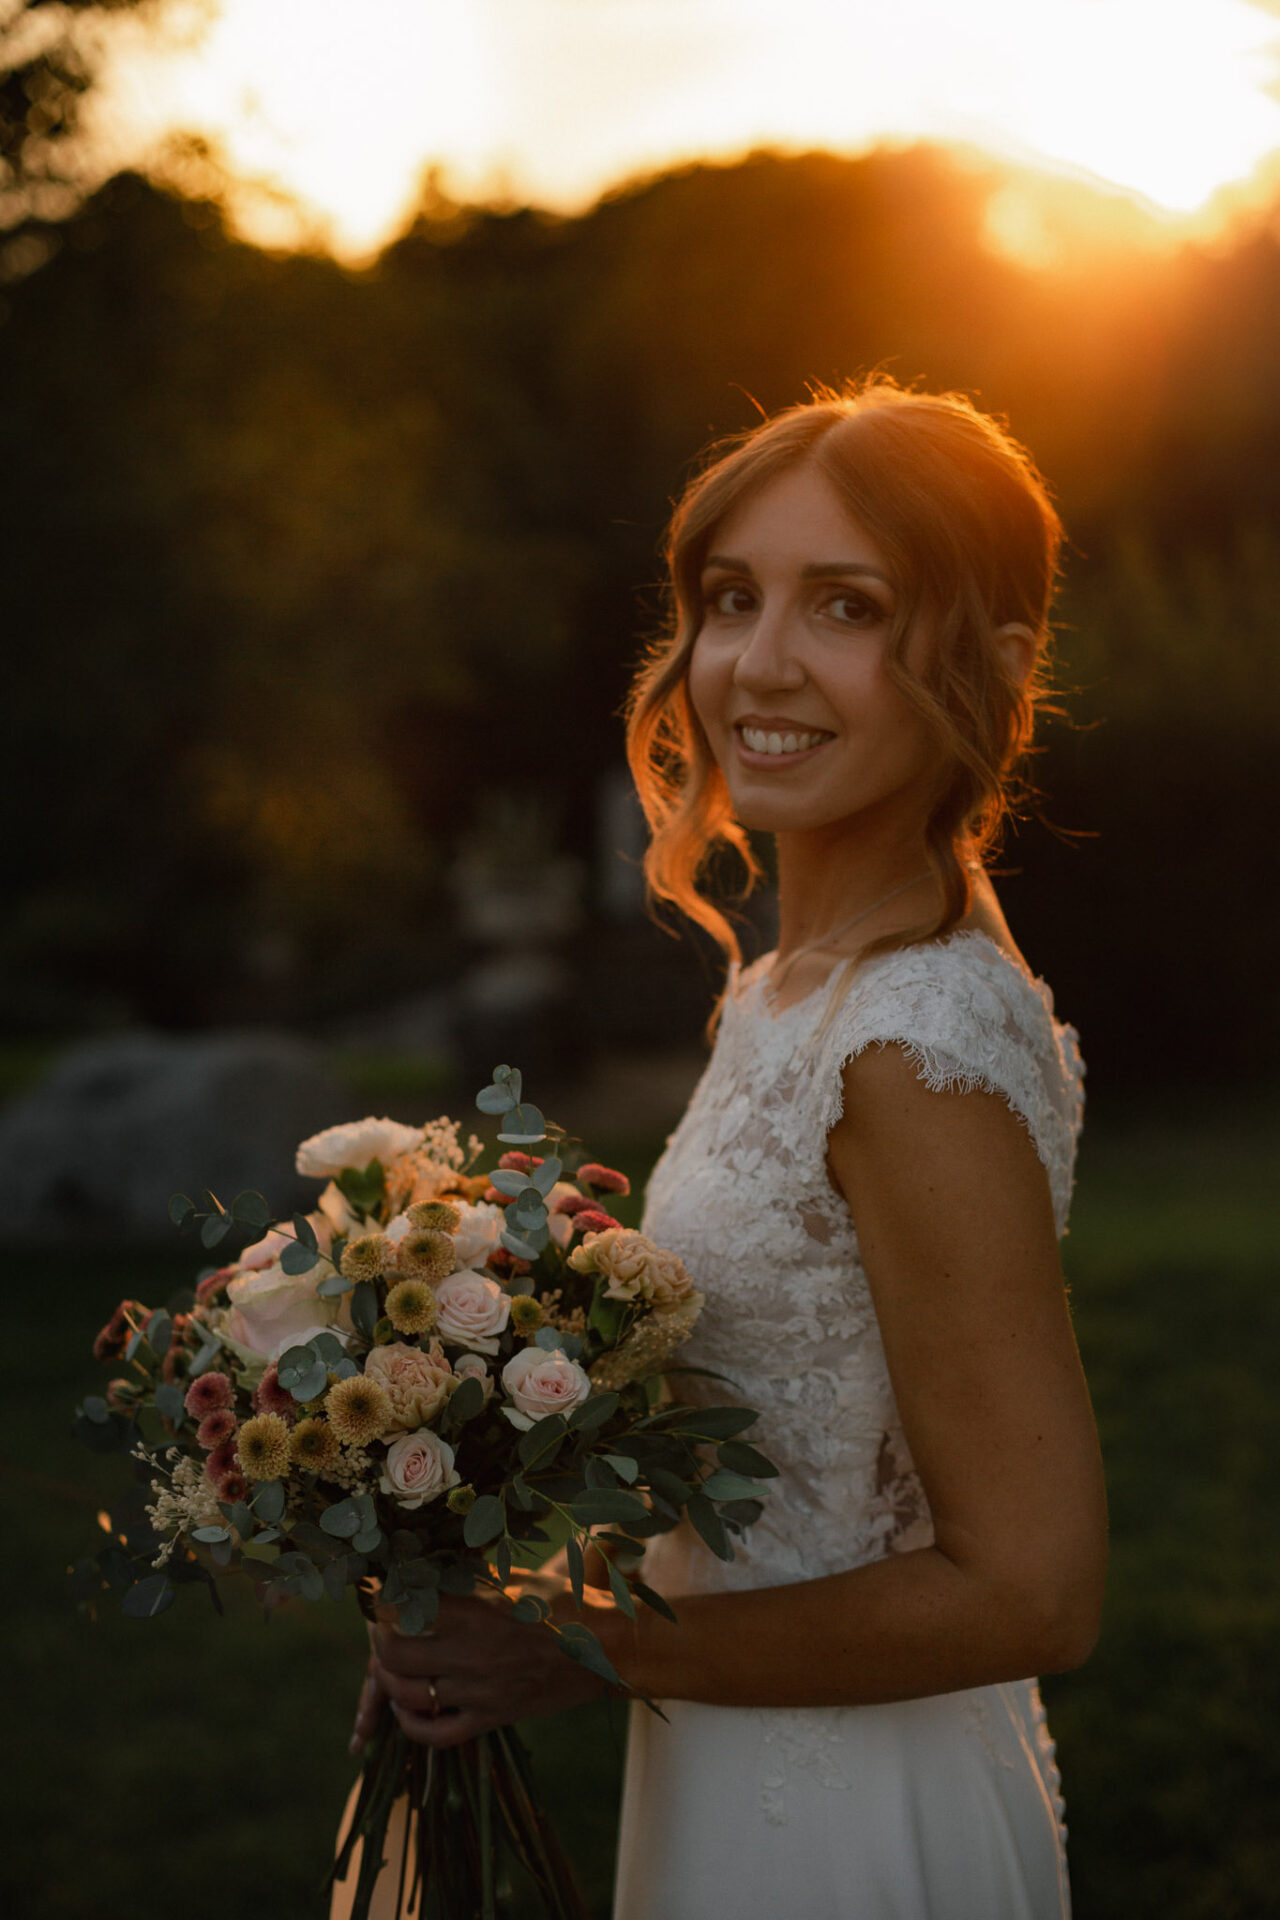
[329, 113]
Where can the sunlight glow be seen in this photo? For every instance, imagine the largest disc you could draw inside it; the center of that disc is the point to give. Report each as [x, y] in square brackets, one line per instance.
[327, 113]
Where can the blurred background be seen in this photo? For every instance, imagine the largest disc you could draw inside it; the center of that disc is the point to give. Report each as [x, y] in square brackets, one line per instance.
[350, 357]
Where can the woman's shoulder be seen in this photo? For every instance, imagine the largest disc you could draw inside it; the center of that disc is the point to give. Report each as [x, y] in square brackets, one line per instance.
[968, 1015]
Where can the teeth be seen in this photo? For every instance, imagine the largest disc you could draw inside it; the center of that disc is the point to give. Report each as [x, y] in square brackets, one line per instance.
[760, 742]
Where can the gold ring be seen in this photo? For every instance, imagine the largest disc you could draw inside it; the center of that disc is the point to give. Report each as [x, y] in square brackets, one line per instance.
[434, 1698]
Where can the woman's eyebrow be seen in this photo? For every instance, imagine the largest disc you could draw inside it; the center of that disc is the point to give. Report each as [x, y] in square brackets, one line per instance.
[815, 570]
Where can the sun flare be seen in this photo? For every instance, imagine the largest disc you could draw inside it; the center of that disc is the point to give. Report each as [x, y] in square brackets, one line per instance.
[328, 113]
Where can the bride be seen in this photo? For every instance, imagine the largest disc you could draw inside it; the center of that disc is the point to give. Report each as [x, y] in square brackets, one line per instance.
[869, 1185]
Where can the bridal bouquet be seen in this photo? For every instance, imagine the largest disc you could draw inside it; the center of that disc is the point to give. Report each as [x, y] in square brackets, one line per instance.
[435, 1378]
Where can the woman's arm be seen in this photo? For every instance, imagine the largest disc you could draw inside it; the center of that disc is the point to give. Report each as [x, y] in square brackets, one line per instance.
[956, 1229]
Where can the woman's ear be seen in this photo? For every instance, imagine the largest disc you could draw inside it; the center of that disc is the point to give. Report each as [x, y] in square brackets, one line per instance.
[1019, 648]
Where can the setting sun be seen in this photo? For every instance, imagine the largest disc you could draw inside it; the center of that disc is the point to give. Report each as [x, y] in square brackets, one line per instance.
[327, 113]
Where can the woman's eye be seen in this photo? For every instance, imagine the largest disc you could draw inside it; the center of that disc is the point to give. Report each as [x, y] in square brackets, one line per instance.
[730, 600]
[854, 609]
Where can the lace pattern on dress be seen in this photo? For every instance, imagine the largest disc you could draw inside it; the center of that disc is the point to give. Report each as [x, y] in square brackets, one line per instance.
[743, 1194]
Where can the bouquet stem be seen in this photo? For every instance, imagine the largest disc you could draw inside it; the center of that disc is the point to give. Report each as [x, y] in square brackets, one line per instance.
[465, 1809]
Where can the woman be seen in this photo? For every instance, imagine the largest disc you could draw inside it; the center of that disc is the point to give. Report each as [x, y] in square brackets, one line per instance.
[869, 1185]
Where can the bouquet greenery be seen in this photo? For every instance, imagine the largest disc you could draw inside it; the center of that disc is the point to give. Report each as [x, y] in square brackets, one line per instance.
[435, 1379]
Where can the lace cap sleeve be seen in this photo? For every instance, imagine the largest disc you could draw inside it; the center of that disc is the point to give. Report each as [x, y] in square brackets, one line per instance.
[968, 1019]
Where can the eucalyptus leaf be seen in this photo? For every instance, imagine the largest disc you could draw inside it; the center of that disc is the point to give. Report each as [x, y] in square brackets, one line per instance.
[181, 1209]
[625, 1468]
[523, 1247]
[740, 1458]
[364, 1187]
[298, 1258]
[714, 1423]
[159, 1332]
[495, 1099]
[208, 1535]
[332, 1285]
[368, 1540]
[342, 1520]
[508, 1181]
[364, 1308]
[169, 1402]
[529, 1610]
[524, 1127]
[251, 1210]
[723, 1485]
[598, 1508]
[486, 1520]
[540, 1444]
[150, 1597]
[268, 1502]
[574, 1562]
[304, 1231]
[708, 1524]
[549, 1338]
[621, 1591]
[652, 1599]
[466, 1401]
[581, 1645]
[594, 1412]
[214, 1228]
[97, 1409]
[545, 1176]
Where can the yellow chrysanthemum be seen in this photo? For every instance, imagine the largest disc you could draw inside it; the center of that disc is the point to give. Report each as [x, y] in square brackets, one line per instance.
[411, 1307]
[262, 1446]
[359, 1410]
[367, 1257]
[460, 1499]
[427, 1255]
[436, 1215]
[313, 1445]
[527, 1314]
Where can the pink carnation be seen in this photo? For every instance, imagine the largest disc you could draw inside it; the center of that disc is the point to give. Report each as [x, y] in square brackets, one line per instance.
[270, 1397]
[233, 1486]
[604, 1179]
[516, 1162]
[492, 1198]
[222, 1462]
[215, 1428]
[571, 1203]
[212, 1285]
[209, 1393]
[594, 1220]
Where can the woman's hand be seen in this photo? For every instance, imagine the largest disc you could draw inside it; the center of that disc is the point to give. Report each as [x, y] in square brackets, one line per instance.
[477, 1668]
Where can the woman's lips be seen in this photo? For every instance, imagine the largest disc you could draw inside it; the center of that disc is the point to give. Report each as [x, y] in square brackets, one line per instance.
[777, 747]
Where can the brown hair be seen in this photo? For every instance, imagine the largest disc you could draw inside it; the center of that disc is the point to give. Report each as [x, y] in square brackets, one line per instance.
[965, 521]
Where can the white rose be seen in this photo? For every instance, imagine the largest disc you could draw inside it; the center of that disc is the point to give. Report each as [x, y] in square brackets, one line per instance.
[540, 1382]
[419, 1467]
[474, 1366]
[472, 1311]
[270, 1309]
[478, 1232]
[355, 1145]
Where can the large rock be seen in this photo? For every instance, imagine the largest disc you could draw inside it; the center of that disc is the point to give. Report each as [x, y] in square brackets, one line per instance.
[120, 1124]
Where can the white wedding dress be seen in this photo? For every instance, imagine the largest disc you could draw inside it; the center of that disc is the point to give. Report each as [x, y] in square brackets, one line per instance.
[943, 1808]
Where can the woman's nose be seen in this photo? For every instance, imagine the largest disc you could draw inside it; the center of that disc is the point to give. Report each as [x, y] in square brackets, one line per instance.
[769, 657]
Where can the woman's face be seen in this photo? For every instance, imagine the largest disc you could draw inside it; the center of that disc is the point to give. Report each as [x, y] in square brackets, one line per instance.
[788, 671]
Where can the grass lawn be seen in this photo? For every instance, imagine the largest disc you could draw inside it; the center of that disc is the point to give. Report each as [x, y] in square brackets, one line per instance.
[196, 1766]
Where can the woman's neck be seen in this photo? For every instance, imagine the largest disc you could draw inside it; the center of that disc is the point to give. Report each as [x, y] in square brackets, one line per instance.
[826, 877]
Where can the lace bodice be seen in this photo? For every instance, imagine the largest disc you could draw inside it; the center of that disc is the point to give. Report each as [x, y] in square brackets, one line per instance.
[742, 1193]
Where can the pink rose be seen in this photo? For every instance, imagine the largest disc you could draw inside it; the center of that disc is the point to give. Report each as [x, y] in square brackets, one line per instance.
[419, 1467]
[416, 1383]
[540, 1382]
[477, 1233]
[271, 1309]
[473, 1311]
